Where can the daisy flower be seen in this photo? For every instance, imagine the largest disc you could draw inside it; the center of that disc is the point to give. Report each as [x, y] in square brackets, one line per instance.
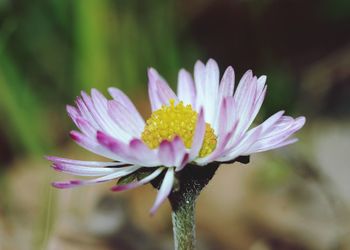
[207, 121]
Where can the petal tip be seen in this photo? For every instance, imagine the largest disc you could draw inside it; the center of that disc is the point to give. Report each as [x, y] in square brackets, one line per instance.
[74, 135]
[61, 185]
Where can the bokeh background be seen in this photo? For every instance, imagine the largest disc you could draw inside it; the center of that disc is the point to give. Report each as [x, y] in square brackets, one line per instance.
[293, 198]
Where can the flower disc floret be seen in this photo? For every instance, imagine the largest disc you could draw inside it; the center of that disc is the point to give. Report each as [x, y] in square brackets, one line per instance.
[176, 120]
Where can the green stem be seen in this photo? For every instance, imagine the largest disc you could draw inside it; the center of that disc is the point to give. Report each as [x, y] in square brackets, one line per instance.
[183, 217]
[190, 181]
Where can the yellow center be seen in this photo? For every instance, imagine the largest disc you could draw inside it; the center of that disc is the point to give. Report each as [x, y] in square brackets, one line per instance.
[176, 120]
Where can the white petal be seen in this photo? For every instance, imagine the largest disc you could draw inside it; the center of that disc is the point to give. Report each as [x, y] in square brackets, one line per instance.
[211, 88]
[261, 83]
[119, 96]
[159, 91]
[198, 136]
[109, 177]
[227, 83]
[199, 78]
[55, 159]
[164, 190]
[125, 119]
[185, 88]
[82, 170]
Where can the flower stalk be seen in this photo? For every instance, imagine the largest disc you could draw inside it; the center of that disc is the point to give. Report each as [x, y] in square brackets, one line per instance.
[191, 181]
[183, 218]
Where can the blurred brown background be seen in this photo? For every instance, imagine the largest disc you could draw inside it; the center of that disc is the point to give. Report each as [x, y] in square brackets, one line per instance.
[293, 198]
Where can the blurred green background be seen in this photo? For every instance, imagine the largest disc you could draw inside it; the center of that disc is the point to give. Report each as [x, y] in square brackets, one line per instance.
[51, 50]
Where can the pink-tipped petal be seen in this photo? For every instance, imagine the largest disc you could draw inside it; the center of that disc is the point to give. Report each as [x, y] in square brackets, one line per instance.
[166, 154]
[116, 147]
[135, 152]
[143, 153]
[91, 145]
[185, 160]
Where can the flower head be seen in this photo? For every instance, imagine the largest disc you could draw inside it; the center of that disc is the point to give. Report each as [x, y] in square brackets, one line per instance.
[206, 121]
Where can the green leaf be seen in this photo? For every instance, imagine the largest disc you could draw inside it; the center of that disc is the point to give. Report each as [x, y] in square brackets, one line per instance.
[127, 179]
[144, 172]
